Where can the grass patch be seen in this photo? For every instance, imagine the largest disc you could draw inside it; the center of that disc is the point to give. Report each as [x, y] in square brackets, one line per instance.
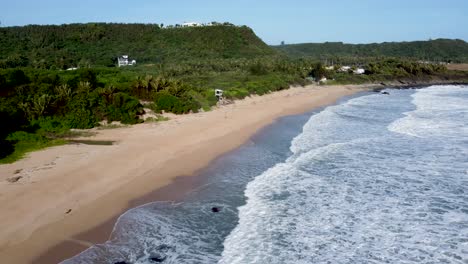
[22, 147]
[24, 143]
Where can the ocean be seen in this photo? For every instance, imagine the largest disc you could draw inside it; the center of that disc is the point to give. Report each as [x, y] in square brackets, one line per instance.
[375, 178]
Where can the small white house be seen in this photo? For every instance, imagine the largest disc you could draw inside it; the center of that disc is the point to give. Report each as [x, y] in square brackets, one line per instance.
[330, 68]
[123, 61]
[359, 71]
[72, 69]
[191, 24]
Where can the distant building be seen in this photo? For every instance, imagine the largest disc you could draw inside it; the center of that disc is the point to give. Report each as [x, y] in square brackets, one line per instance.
[359, 71]
[72, 69]
[124, 61]
[191, 24]
[344, 68]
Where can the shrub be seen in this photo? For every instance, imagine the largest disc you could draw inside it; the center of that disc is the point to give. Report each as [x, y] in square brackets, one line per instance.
[124, 108]
[258, 69]
[81, 118]
[6, 148]
[50, 125]
[318, 71]
[24, 142]
[169, 103]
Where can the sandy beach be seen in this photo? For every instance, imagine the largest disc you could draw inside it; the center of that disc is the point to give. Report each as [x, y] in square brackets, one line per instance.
[67, 190]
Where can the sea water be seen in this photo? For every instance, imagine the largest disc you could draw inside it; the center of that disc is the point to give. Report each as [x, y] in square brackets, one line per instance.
[374, 179]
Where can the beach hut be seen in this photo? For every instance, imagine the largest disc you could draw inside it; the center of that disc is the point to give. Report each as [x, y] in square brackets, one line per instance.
[219, 94]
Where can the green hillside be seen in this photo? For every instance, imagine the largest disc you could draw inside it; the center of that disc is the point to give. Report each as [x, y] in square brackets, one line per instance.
[98, 44]
[433, 50]
[178, 70]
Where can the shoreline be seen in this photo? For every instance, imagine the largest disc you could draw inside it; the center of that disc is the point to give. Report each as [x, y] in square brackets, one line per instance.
[67, 190]
[416, 84]
[80, 189]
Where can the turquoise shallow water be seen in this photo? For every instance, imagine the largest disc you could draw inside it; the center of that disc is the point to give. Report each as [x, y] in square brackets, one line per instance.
[374, 179]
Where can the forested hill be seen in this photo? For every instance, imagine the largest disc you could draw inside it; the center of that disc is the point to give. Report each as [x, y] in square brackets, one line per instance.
[99, 44]
[433, 50]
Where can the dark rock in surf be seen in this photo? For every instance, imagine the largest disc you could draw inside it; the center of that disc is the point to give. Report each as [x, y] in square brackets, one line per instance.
[157, 259]
[215, 209]
[384, 93]
[121, 262]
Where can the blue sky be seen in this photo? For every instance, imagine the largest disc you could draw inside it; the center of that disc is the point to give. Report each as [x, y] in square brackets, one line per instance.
[294, 21]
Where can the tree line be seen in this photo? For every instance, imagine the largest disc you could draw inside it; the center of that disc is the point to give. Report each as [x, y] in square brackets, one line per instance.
[99, 44]
[438, 50]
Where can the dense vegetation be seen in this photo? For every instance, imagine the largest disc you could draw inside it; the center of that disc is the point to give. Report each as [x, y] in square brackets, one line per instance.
[439, 50]
[177, 71]
[99, 44]
[392, 70]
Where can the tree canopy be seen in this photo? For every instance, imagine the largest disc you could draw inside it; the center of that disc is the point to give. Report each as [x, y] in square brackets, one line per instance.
[439, 50]
[99, 44]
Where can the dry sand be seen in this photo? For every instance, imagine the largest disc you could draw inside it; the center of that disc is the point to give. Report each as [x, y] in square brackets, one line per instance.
[66, 190]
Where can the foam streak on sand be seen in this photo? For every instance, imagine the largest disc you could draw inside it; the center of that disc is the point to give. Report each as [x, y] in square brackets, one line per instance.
[97, 182]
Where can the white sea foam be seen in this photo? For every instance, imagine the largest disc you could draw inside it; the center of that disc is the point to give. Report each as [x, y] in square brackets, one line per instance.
[151, 231]
[440, 110]
[364, 184]
[355, 192]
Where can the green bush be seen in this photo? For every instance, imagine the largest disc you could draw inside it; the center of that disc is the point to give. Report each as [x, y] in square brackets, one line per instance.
[124, 108]
[24, 142]
[170, 103]
[258, 69]
[50, 125]
[81, 118]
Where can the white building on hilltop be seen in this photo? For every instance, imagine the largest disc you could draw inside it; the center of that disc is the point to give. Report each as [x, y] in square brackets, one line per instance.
[123, 61]
[191, 24]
